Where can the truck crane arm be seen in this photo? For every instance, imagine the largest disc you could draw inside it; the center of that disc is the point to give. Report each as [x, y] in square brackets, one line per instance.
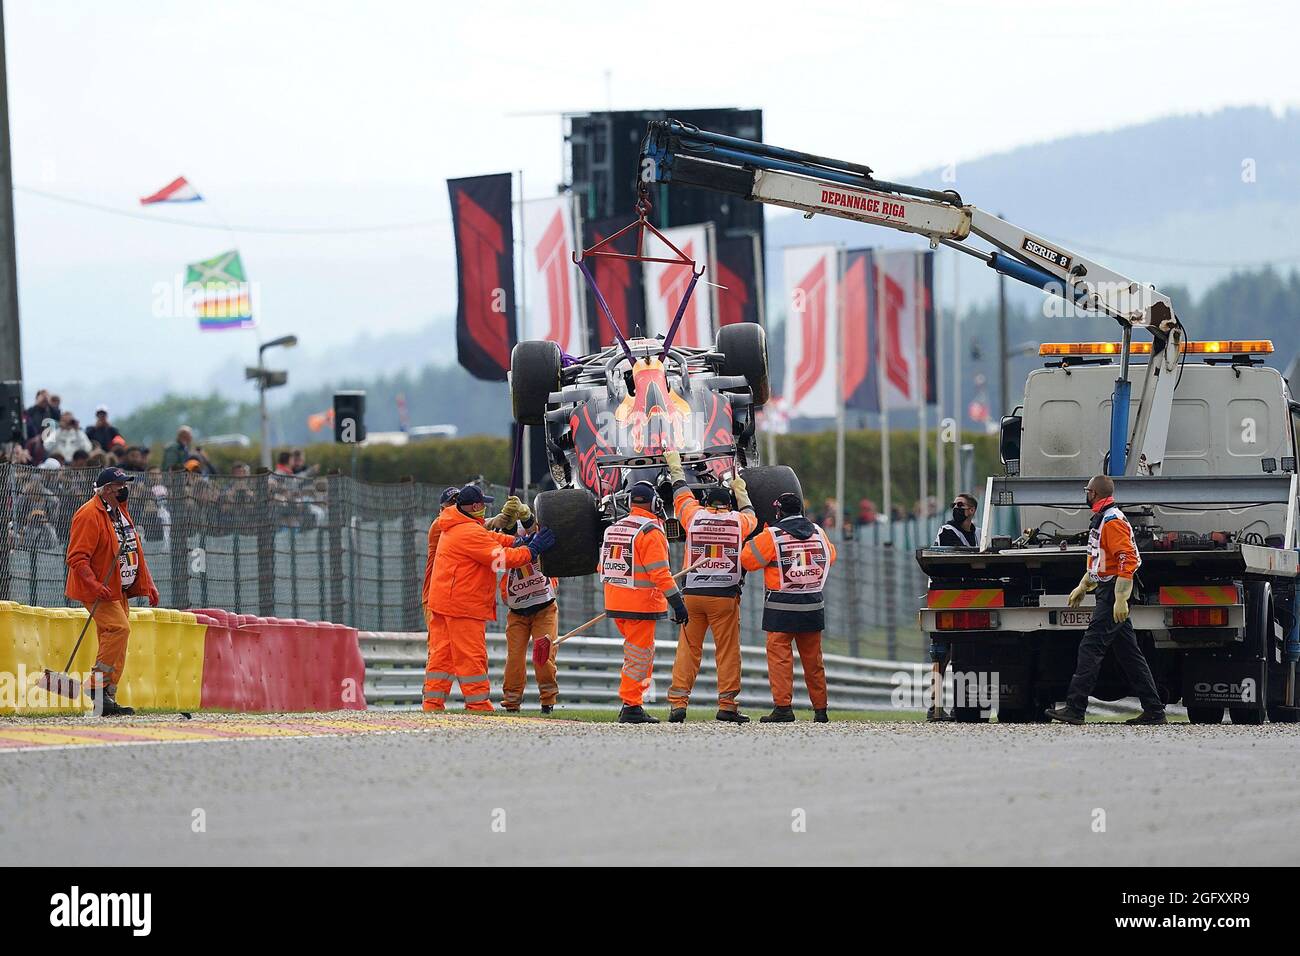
[679, 153]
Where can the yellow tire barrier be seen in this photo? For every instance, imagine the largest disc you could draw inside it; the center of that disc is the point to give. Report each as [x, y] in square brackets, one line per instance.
[164, 659]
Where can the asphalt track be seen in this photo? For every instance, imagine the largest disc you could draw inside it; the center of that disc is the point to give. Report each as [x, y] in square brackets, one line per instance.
[375, 789]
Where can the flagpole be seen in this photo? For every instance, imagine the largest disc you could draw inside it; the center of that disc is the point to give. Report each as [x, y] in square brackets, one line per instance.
[940, 459]
[523, 324]
[958, 413]
[923, 373]
[760, 280]
[882, 326]
[575, 208]
[840, 509]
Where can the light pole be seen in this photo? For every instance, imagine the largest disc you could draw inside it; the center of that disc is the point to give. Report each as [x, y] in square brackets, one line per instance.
[267, 378]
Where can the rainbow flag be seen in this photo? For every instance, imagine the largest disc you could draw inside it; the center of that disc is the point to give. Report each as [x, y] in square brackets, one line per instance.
[222, 293]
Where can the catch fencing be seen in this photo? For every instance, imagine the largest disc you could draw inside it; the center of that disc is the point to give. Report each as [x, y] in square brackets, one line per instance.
[333, 549]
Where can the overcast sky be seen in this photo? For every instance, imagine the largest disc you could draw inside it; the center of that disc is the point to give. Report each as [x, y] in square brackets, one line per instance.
[343, 112]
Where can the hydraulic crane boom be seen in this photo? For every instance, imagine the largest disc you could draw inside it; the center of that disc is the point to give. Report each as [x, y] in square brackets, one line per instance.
[678, 153]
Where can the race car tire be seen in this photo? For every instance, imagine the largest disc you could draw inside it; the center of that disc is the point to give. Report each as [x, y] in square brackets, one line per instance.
[534, 374]
[765, 483]
[570, 513]
[744, 346]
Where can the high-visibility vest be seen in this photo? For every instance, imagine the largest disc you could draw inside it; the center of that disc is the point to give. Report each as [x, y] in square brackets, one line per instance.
[527, 586]
[617, 554]
[802, 563]
[713, 541]
[1098, 566]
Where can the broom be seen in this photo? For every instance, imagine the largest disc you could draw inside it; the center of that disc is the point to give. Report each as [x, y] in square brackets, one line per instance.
[544, 647]
[61, 682]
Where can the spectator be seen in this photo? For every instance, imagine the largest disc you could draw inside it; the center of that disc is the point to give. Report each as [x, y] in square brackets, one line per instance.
[239, 503]
[136, 459]
[155, 516]
[176, 453]
[102, 433]
[298, 464]
[867, 512]
[80, 459]
[14, 454]
[66, 437]
[284, 463]
[35, 446]
[34, 510]
[39, 412]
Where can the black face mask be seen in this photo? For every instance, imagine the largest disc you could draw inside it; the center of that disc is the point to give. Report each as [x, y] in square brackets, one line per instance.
[123, 494]
[958, 514]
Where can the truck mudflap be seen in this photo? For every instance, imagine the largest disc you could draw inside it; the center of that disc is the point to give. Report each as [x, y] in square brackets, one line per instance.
[1222, 682]
[1024, 620]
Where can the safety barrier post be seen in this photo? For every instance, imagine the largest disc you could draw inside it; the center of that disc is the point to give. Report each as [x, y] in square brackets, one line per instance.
[7, 533]
[855, 595]
[334, 524]
[234, 557]
[891, 632]
[203, 578]
[320, 575]
[411, 617]
[293, 573]
[178, 496]
[266, 531]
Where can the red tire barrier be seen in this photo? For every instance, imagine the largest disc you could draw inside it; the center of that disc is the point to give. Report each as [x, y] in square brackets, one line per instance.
[267, 664]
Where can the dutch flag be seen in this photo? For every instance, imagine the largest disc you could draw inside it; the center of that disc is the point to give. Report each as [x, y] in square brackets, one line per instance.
[178, 190]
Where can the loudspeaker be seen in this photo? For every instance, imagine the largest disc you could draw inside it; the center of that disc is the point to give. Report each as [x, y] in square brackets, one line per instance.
[11, 413]
[349, 417]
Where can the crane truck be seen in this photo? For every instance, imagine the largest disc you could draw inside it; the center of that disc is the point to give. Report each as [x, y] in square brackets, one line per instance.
[1199, 437]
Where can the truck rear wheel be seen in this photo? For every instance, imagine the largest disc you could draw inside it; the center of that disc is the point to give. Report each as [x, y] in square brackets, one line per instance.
[571, 513]
[1205, 715]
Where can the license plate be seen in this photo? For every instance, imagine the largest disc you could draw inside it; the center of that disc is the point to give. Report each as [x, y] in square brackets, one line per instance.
[1074, 618]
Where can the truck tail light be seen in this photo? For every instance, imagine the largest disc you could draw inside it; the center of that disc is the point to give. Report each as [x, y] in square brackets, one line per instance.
[966, 620]
[1198, 616]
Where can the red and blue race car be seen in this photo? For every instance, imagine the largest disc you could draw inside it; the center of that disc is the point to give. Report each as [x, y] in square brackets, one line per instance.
[609, 417]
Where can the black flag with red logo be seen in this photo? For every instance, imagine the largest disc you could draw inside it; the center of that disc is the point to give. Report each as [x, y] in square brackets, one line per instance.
[858, 362]
[739, 273]
[485, 274]
[928, 323]
[619, 281]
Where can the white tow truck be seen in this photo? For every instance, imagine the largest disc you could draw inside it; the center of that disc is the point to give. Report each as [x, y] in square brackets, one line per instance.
[1203, 457]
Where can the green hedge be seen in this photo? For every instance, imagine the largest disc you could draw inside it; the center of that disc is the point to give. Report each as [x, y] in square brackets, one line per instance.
[436, 461]
[812, 456]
